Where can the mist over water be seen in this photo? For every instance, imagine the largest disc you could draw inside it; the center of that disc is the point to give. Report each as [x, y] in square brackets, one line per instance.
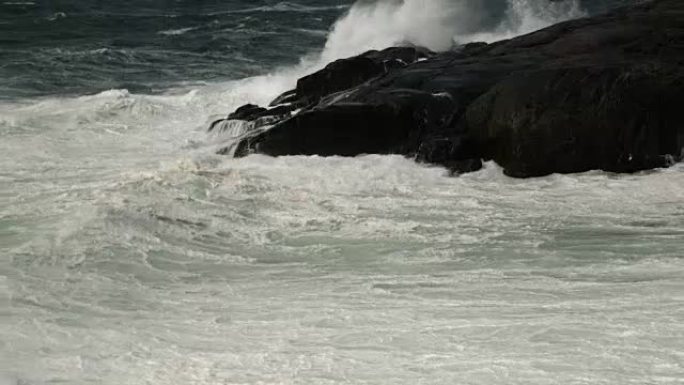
[131, 254]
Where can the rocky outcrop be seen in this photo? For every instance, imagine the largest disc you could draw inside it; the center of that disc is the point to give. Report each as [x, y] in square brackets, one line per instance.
[344, 74]
[595, 93]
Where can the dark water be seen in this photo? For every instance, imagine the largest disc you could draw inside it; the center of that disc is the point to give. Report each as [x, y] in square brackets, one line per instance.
[69, 47]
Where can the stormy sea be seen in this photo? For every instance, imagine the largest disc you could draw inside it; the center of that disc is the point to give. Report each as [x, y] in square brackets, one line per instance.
[130, 253]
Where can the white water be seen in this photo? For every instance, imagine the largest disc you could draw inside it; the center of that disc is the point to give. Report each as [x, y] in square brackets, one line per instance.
[438, 24]
[133, 255]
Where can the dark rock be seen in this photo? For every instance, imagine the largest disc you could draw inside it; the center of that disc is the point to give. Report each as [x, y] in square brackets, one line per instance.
[391, 122]
[458, 154]
[594, 93]
[247, 112]
[256, 115]
[251, 112]
[472, 48]
[341, 129]
[571, 120]
[288, 97]
[344, 74]
[337, 76]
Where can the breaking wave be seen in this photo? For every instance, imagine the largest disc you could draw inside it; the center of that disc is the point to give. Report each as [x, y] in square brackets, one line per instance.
[440, 24]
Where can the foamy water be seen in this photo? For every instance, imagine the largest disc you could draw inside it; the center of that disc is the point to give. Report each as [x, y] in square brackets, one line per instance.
[135, 256]
[131, 254]
[439, 24]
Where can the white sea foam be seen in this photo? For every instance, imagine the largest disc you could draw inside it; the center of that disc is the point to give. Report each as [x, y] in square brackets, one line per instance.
[306, 270]
[57, 16]
[439, 24]
[177, 32]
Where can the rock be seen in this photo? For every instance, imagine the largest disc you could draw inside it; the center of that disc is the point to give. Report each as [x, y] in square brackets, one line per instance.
[337, 76]
[571, 120]
[257, 116]
[391, 122]
[593, 93]
[247, 112]
[347, 73]
[341, 129]
[457, 154]
[289, 97]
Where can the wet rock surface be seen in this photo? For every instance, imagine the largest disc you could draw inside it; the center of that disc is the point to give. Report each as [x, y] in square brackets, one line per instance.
[597, 93]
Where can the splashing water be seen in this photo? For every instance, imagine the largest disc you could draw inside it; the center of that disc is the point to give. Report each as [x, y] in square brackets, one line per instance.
[439, 24]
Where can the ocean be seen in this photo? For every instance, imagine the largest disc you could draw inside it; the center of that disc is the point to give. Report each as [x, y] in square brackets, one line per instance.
[130, 253]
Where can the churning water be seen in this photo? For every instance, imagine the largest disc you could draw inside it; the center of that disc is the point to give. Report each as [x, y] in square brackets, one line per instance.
[131, 254]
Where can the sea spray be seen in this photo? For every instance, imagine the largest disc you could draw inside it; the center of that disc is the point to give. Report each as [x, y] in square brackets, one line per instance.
[439, 24]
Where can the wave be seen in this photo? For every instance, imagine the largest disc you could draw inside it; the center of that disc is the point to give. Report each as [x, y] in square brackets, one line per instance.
[176, 32]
